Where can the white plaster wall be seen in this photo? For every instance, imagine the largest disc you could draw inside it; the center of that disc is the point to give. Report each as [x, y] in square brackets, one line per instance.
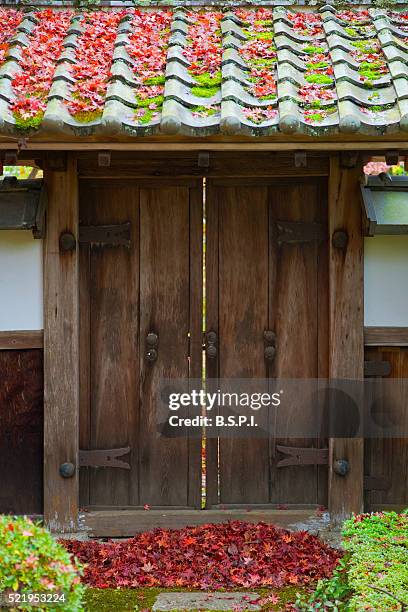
[21, 281]
[386, 281]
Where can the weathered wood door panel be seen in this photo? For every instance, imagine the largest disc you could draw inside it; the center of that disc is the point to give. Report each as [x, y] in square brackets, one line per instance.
[125, 293]
[387, 457]
[255, 283]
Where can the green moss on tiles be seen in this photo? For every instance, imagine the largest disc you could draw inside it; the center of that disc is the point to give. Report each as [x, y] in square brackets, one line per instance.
[320, 79]
[268, 97]
[311, 50]
[88, 116]
[32, 123]
[206, 80]
[145, 102]
[267, 23]
[207, 85]
[159, 80]
[205, 111]
[147, 116]
[204, 92]
[270, 61]
[351, 31]
[366, 46]
[316, 65]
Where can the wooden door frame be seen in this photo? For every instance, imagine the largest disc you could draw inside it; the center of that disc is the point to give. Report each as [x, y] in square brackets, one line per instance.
[61, 332]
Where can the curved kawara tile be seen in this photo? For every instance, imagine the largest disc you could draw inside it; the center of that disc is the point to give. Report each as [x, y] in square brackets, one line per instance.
[253, 71]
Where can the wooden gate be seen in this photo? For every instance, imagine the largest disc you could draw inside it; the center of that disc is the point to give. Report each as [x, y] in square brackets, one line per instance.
[140, 305]
[267, 270]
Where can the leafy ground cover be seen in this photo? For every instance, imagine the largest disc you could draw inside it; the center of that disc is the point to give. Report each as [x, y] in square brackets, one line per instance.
[142, 600]
[373, 575]
[231, 555]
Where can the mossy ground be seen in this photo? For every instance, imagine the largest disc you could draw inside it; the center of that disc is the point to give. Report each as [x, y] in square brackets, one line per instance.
[132, 600]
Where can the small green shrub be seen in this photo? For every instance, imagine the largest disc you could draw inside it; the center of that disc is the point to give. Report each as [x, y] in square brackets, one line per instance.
[373, 574]
[31, 561]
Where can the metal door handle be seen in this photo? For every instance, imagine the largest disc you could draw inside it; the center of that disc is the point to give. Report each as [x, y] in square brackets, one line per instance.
[211, 340]
[269, 345]
[152, 343]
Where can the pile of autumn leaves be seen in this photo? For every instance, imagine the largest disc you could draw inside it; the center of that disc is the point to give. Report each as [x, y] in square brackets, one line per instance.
[229, 555]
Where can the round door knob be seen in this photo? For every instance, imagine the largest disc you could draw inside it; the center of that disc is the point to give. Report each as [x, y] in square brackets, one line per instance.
[211, 337]
[151, 355]
[152, 339]
[67, 242]
[67, 470]
[341, 467]
[211, 351]
[270, 352]
[269, 337]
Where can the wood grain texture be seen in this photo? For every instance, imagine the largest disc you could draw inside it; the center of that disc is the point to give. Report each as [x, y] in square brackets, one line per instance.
[254, 285]
[346, 353]
[21, 431]
[61, 353]
[386, 336]
[185, 164]
[154, 285]
[388, 457]
[110, 342]
[127, 523]
[20, 340]
[299, 316]
[164, 310]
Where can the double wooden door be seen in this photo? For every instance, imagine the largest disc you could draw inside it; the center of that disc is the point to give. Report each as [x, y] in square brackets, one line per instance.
[141, 271]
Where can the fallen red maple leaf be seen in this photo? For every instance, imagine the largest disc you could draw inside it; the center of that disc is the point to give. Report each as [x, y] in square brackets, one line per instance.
[227, 555]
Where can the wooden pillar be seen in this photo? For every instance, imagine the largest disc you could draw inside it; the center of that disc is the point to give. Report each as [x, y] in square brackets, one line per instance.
[61, 338]
[346, 354]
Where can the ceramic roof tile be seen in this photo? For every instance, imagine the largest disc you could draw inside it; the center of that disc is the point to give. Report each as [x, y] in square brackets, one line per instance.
[197, 72]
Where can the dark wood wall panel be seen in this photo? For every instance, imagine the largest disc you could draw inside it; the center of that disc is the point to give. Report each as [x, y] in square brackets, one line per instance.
[21, 431]
[387, 458]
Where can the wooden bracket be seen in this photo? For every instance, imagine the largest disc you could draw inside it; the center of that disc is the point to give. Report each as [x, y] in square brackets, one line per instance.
[104, 458]
[377, 368]
[10, 157]
[203, 159]
[56, 160]
[392, 157]
[348, 159]
[109, 235]
[299, 231]
[104, 159]
[303, 456]
[300, 159]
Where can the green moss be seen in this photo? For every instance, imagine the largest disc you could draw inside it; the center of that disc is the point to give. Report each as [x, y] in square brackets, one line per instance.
[316, 65]
[88, 116]
[204, 92]
[311, 50]
[365, 46]
[206, 80]
[321, 79]
[131, 600]
[351, 31]
[270, 61]
[204, 110]
[145, 102]
[261, 35]
[159, 80]
[264, 22]
[268, 97]
[32, 123]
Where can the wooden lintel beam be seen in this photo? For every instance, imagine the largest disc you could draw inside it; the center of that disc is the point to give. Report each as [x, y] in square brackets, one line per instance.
[374, 147]
[21, 340]
[61, 362]
[346, 353]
